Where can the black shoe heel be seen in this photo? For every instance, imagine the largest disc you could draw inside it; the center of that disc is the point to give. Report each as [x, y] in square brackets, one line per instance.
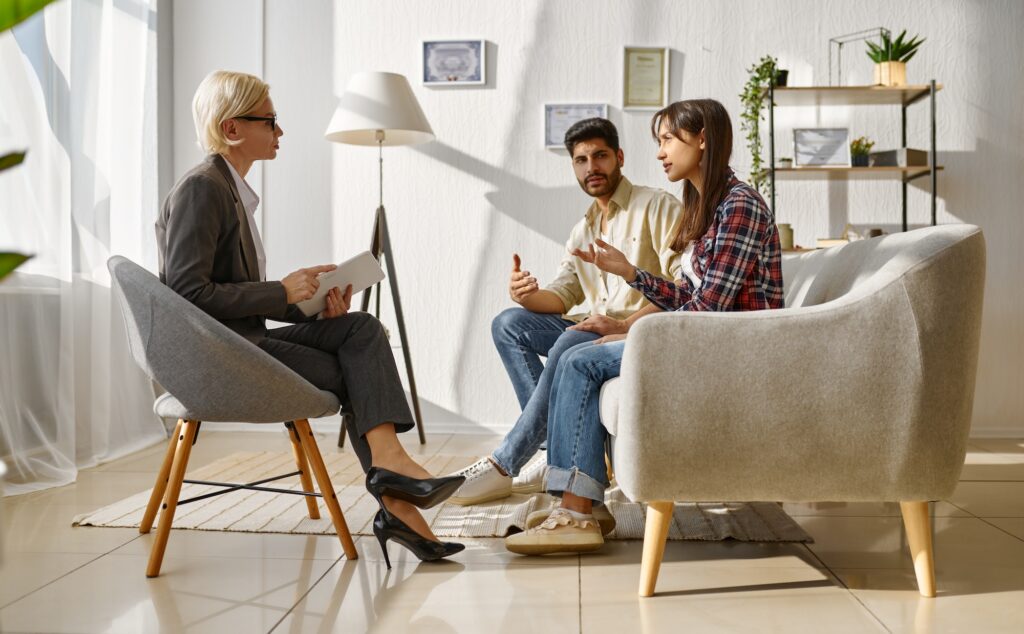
[382, 539]
[388, 527]
[424, 494]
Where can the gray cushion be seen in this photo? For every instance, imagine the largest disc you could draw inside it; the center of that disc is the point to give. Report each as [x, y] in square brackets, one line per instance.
[610, 405]
[861, 389]
[212, 373]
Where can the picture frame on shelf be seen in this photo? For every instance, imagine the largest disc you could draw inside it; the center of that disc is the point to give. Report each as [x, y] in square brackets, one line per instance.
[454, 62]
[821, 147]
[645, 74]
[559, 117]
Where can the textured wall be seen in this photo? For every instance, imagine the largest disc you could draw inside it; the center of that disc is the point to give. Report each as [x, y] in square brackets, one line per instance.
[459, 206]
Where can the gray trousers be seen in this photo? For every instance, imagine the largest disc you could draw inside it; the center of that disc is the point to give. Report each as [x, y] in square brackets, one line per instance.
[349, 356]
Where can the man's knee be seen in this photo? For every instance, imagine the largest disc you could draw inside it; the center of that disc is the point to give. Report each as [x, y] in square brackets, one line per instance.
[507, 325]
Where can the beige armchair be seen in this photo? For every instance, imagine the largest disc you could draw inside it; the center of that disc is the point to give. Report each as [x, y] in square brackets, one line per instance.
[860, 390]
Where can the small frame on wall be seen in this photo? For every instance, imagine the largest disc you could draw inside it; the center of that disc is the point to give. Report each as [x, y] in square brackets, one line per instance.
[559, 117]
[821, 147]
[645, 78]
[454, 62]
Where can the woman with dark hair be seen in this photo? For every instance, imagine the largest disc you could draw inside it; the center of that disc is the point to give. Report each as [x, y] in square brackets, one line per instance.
[731, 261]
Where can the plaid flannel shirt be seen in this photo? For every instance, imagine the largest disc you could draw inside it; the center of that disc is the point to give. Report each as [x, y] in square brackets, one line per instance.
[738, 261]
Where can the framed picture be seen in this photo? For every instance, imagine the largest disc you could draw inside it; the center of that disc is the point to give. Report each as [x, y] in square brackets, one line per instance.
[821, 147]
[644, 78]
[559, 117]
[454, 63]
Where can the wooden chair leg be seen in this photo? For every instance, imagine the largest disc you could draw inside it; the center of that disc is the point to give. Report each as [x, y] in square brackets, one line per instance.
[323, 481]
[919, 537]
[161, 481]
[303, 466]
[177, 474]
[659, 517]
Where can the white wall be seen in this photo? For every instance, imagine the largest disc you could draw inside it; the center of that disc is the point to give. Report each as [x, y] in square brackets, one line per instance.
[459, 206]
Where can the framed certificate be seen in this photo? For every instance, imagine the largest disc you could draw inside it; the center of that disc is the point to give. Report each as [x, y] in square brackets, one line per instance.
[645, 78]
[823, 147]
[559, 117]
[454, 63]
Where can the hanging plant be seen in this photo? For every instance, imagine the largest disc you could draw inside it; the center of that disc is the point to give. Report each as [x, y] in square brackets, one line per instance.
[762, 75]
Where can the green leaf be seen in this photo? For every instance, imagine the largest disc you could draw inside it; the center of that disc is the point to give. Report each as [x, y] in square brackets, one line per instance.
[908, 57]
[13, 12]
[8, 161]
[11, 261]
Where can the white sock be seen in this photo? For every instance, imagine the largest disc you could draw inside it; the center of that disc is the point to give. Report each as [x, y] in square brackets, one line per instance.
[577, 515]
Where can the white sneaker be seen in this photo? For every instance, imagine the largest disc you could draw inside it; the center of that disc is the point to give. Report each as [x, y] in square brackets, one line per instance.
[533, 476]
[483, 483]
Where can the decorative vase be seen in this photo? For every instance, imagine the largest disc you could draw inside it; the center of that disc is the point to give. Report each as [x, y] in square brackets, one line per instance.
[785, 236]
[859, 160]
[891, 74]
[781, 77]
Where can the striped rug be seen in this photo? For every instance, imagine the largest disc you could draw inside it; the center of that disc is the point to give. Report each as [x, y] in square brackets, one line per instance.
[262, 512]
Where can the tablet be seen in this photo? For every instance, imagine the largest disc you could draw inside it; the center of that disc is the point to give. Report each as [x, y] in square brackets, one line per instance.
[361, 271]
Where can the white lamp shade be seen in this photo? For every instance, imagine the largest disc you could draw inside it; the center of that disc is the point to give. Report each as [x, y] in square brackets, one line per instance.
[379, 101]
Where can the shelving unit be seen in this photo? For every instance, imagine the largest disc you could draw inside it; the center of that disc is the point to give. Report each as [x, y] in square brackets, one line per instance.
[902, 96]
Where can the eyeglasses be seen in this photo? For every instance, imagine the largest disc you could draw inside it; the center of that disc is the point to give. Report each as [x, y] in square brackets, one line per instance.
[271, 120]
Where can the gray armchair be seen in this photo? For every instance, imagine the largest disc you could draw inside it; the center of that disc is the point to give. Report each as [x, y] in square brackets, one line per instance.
[212, 374]
[860, 390]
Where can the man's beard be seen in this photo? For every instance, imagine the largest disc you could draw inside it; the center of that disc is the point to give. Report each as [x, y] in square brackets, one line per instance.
[610, 183]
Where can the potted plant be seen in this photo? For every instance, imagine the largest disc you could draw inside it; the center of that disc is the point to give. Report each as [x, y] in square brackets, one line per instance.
[12, 13]
[891, 58]
[762, 74]
[860, 148]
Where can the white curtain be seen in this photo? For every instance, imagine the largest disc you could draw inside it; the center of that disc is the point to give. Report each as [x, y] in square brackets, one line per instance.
[79, 91]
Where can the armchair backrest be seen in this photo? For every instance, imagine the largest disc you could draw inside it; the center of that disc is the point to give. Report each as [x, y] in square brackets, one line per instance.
[212, 370]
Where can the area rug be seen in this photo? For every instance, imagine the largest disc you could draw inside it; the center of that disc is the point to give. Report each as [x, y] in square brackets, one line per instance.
[263, 512]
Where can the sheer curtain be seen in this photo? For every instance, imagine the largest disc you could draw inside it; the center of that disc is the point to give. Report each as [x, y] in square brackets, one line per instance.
[79, 91]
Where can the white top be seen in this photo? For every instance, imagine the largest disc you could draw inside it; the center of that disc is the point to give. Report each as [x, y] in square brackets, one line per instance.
[687, 266]
[251, 201]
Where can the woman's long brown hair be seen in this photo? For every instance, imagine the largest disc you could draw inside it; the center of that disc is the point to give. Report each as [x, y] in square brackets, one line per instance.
[694, 115]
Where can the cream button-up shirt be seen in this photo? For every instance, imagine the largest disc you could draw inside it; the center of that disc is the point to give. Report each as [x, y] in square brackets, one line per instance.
[641, 223]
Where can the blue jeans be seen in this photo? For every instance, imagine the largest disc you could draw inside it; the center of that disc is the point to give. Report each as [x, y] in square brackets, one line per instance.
[522, 338]
[576, 437]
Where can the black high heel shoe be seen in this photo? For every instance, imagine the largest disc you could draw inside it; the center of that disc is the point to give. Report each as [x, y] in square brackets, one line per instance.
[386, 526]
[424, 493]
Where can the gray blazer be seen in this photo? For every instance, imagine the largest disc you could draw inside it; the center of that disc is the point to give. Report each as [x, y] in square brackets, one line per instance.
[207, 253]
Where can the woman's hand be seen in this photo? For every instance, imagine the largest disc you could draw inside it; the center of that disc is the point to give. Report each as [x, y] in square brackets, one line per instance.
[337, 304]
[610, 338]
[601, 325]
[608, 258]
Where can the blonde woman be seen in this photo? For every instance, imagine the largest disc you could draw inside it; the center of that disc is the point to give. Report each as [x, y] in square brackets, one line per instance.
[211, 254]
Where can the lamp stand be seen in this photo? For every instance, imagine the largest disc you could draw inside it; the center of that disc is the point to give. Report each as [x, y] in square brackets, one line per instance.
[380, 246]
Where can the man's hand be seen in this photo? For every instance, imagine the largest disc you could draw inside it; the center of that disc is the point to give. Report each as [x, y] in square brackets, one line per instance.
[302, 284]
[520, 284]
[602, 325]
[337, 304]
[610, 338]
[607, 258]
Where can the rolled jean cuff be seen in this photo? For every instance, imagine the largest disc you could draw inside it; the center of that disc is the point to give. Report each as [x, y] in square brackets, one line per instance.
[574, 481]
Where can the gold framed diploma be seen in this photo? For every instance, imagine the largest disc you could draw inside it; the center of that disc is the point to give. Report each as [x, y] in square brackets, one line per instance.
[645, 78]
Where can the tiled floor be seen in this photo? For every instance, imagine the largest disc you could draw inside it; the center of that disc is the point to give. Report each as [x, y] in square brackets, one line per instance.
[856, 577]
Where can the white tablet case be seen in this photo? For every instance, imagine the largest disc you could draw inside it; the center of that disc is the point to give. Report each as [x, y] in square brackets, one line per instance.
[361, 271]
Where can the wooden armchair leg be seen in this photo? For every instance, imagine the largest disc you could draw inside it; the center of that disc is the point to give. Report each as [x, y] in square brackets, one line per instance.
[323, 481]
[919, 537]
[177, 474]
[303, 466]
[161, 481]
[659, 517]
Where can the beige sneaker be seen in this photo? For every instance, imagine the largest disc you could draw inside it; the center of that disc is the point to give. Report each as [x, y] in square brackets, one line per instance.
[531, 477]
[484, 483]
[601, 514]
[559, 533]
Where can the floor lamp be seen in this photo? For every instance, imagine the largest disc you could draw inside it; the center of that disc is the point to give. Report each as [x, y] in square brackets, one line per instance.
[380, 109]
